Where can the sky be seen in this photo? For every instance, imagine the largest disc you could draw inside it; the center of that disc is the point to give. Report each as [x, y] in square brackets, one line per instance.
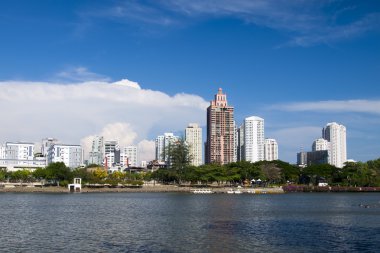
[131, 70]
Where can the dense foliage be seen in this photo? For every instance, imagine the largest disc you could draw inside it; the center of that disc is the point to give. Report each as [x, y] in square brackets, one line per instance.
[274, 172]
[363, 174]
[59, 174]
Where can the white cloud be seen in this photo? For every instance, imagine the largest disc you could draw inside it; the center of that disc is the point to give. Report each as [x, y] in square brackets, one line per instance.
[146, 150]
[360, 106]
[76, 111]
[126, 82]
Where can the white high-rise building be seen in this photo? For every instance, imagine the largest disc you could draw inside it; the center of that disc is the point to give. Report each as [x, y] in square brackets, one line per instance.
[19, 155]
[163, 142]
[70, 155]
[336, 135]
[111, 152]
[253, 147]
[270, 150]
[320, 144]
[19, 151]
[96, 153]
[128, 156]
[45, 145]
[193, 137]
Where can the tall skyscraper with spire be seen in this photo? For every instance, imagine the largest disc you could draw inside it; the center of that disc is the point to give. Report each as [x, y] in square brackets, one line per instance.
[220, 144]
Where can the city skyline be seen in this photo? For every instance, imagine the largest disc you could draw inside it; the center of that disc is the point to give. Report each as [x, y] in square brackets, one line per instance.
[132, 70]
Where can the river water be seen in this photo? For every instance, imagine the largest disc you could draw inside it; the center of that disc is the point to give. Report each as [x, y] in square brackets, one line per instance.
[180, 222]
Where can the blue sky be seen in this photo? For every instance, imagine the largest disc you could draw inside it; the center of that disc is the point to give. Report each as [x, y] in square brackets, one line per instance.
[298, 64]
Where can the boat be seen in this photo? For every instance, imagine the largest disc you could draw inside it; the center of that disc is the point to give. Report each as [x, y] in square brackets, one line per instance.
[231, 191]
[202, 191]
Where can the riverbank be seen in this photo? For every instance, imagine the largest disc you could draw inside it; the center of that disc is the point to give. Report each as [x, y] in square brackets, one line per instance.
[145, 188]
[307, 188]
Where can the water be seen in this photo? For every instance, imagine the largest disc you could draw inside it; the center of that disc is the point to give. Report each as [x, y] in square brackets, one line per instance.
[178, 222]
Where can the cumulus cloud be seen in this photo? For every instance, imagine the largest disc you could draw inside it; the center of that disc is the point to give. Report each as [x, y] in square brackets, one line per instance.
[77, 111]
[361, 106]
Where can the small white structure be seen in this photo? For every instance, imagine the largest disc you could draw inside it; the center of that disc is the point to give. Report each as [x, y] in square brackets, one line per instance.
[76, 186]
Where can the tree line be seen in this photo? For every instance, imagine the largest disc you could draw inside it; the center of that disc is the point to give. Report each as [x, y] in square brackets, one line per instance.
[179, 171]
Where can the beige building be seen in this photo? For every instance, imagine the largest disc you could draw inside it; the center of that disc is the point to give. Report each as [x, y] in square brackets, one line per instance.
[193, 137]
[220, 144]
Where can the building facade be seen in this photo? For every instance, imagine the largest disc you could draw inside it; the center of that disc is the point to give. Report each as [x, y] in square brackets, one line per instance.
[96, 155]
[193, 137]
[70, 155]
[19, 155]
[320, 144]
[220, 143]
[253, 135]
[111, 153]
[128, 156]
[270, 150]
[336, 135]
[162, 144]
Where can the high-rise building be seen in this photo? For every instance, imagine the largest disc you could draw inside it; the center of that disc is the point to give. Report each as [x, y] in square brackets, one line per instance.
[336, 135]
[19, 155]
[270, 150]
[320, 144]
[253, 135]
[70, 155]
[96, 153]
[19, 151]
[193, 137]
[220, 144]
[163, 143]
[302, 158]
[128, 156]
[46, 143]
[111, 152]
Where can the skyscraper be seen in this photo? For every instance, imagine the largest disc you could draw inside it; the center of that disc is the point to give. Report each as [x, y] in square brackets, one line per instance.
[96, 154]
[253, 134]
[163, 142]
[129, 156]
[336, 135]
[193, 137]
[220, 144]
[270, 150]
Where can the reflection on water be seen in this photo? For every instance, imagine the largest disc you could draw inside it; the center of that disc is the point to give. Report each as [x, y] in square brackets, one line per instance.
[173, 222]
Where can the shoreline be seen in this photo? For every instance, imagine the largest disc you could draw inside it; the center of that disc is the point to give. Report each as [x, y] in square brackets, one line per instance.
[158, 188]
[143, 189]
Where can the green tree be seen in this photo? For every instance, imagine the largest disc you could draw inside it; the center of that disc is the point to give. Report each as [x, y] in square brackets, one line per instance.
[59, 172]
[3, 174]
[39, 173]
[179, 157]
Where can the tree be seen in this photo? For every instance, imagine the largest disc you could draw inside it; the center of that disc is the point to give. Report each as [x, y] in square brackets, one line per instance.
[39, 173]
[100, 174]
[59, 172]
[179, 157]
